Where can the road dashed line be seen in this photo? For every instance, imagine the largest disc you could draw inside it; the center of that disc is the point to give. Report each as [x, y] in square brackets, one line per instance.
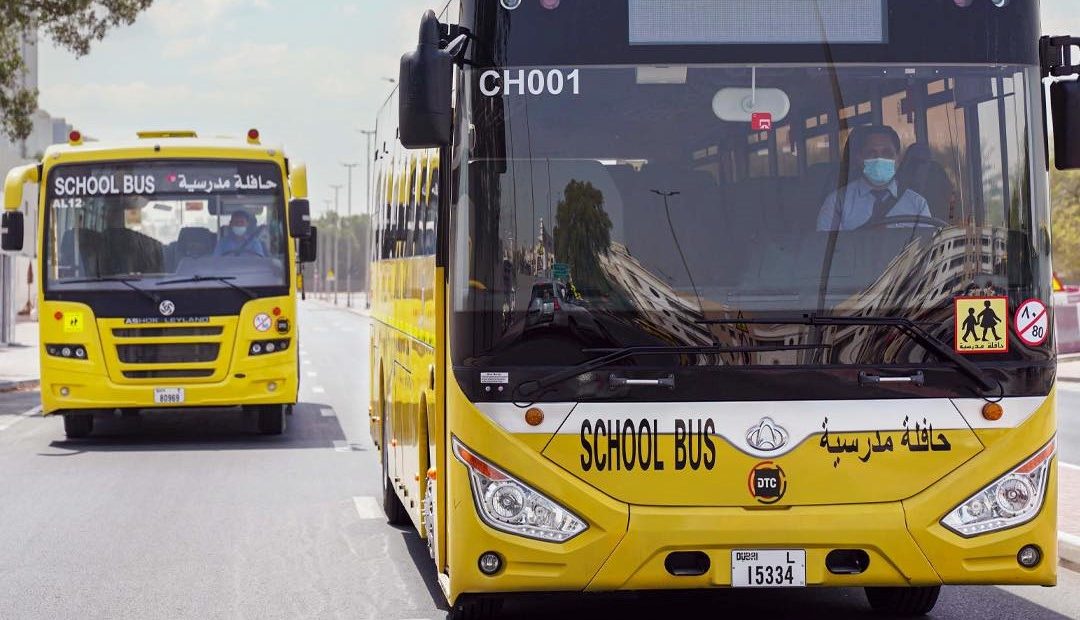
[318, 389]
[367, 507]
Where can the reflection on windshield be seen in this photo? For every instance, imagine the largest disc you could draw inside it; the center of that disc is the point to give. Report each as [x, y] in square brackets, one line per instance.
[592, 229]
[171, 225]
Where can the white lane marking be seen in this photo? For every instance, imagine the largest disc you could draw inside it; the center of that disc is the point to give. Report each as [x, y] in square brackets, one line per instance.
[312, 373]
[367, 507]
[306, 362]
[19, 417]
[318, 389]
[327, 412]
[1068, 465]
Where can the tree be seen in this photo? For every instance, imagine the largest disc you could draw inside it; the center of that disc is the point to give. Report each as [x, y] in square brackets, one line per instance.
[1065, 201]
[71, 24]
[583, 234]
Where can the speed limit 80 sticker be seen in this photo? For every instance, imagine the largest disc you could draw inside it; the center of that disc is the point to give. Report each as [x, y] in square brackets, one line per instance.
[1032, 323]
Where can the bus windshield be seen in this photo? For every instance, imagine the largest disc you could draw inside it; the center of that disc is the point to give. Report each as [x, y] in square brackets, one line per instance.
[164, 222]
[720, 192]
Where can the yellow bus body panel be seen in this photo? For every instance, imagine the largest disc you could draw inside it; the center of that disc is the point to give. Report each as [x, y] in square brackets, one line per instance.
[626, 544]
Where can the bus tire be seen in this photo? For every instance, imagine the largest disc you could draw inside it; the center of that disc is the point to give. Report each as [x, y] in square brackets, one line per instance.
[473, 607]
[272, 419]
[903, 602]
[78, 425]
[391, 503]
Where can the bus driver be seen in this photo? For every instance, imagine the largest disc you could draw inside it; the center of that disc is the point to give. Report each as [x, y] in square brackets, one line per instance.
[874, 151]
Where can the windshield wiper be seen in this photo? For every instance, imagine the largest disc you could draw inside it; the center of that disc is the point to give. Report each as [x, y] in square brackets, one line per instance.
[905, 326]
[613, 355]
[223, 279]
[125, 280]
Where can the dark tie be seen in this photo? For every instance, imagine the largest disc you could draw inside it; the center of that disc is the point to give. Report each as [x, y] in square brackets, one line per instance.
[884, 201]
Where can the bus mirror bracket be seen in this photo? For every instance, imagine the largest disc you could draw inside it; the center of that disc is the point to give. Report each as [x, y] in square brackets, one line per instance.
[299, 218]
[11, 231]
[13, 184]
[425, 84]
[308, 250]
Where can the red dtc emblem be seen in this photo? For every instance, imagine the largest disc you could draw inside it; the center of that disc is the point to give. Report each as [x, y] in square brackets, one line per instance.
[761, 121]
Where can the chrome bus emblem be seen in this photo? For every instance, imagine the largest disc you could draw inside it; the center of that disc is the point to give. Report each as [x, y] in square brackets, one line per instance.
[166, 308]
[766, 436]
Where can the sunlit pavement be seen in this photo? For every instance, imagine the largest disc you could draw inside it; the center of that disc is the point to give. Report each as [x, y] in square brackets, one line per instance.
[197, 516]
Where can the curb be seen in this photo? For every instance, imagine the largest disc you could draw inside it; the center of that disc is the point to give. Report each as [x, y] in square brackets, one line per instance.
[1069, 550]
[15, 386]
[1069, 379]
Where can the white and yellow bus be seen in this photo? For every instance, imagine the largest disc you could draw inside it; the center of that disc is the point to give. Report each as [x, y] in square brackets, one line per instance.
[668, 296]
[170, 269]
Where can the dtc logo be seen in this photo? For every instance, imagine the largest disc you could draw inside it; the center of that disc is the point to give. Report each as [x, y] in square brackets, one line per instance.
[768, 483]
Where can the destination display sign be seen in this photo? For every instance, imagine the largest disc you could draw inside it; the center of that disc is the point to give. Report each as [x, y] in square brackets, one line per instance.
[150, 179]
[735, 22]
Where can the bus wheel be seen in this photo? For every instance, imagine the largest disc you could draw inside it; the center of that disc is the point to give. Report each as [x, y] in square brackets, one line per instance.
[78, 425]
[910, 602]
[272, 419]
[395, 511]
[473, 607]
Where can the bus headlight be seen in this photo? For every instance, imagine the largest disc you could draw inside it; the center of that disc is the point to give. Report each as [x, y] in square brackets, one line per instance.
[505, 503]
[1011, 500]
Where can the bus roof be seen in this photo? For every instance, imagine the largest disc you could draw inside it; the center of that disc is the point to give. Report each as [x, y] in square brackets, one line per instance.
[157, 145]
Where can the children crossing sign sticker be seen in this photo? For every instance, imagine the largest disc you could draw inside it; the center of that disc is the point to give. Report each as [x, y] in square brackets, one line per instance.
[1032, 323]
[982, 324]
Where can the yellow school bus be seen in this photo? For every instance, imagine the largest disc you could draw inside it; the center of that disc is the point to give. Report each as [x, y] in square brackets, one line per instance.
[170, 269]
[666, 297]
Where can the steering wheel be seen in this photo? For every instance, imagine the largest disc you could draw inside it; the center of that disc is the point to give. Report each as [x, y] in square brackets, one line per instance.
[242, 252]
[916, 221]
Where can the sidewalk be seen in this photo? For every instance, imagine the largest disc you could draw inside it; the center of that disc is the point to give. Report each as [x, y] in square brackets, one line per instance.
[19, 363]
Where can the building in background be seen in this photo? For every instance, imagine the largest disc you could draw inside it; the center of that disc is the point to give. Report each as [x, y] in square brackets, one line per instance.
[16, 295]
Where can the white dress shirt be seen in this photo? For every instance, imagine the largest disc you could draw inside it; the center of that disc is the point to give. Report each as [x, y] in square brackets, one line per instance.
[858, 207]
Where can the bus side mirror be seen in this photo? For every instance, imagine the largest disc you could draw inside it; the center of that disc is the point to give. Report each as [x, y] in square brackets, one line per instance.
[425, 85]
[1065, 108]
[11, 231]
[308, 251]
[299, 218]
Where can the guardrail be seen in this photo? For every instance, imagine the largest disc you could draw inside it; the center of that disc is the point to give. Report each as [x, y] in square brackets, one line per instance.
[1067, 321]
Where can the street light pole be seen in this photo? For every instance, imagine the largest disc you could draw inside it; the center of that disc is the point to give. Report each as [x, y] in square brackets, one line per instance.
[324, 272]
[337, 235]
[348, 248]
[369, 134]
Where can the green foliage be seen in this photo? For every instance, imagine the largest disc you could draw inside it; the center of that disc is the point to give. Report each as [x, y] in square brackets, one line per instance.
[71, 24]
[1065, 212]
[582, 234]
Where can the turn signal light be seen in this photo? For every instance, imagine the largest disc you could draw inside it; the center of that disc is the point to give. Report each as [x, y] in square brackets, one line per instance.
[993, 411]
[534, 417]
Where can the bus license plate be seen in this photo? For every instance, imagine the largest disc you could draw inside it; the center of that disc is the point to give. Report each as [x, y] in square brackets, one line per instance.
[768, 568]
[168, 396]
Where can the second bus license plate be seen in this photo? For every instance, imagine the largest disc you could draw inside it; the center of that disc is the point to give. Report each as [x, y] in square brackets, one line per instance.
[168, 396]
[768, 568]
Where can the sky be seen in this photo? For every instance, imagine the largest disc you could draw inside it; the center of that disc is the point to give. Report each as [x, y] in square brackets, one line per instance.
[309, 74]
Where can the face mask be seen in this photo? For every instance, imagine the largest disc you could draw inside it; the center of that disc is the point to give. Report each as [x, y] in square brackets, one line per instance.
[239, 231]
[879, 172]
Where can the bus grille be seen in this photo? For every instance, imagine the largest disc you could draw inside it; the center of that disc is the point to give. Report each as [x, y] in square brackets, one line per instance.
[167, 332]
[169, 374]
[168, 353]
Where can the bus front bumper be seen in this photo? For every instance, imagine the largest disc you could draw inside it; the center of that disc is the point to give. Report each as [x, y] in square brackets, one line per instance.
[73, 391]
[625, 547]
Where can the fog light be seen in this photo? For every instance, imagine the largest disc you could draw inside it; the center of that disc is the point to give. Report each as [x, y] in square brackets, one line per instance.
[490, 563]
[66, 351]
[256, 348]
[80, 352]
[1029, 556]
[272, 386]
[270, 348]
[64, 391]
